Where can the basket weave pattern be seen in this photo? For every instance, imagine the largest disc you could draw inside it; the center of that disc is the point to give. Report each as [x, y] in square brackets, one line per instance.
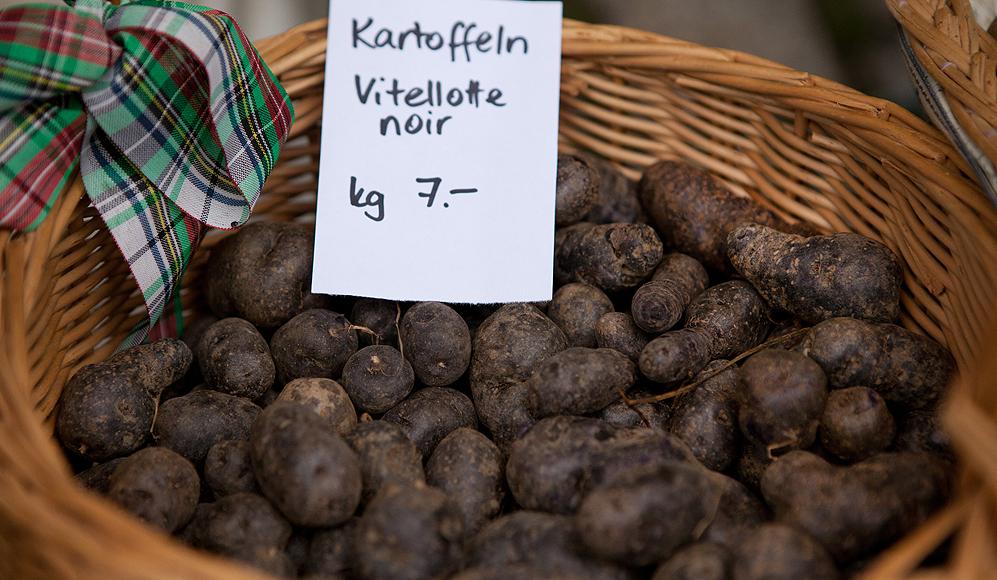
[961, 56]
[807, 148]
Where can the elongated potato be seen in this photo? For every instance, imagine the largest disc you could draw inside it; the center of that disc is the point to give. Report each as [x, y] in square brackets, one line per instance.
[779, 552]
[313, 344]
[722, 322]
[386, 455]
[580, 380]
[613, 520]
[660, 304]
[191, 424]
[158, 486]
[428, 415]
[262, 273]
[547, 543]
[107, 409]
[694, 212]
[819, 277]
[861, 508]
[561, 459]
[437, 342]
[902, 366]
[470, 469]
[856, 424]
[738, 514]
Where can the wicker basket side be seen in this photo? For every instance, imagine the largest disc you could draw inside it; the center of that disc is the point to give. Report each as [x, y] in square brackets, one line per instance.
[954, 66]
[808, 148]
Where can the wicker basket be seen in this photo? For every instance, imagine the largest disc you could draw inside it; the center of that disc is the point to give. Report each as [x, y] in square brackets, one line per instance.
[953, 63]
[807, 148]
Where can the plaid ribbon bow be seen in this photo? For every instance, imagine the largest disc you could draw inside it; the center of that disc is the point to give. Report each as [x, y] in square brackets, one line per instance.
[173, 117]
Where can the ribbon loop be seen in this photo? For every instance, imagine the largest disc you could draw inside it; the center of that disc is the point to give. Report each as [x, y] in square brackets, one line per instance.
[173, 116]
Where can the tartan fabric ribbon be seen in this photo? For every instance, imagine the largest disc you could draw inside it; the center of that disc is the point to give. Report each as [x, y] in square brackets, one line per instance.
[173, 118]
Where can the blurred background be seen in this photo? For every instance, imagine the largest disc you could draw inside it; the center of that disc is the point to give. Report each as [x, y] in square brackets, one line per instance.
[850, 41]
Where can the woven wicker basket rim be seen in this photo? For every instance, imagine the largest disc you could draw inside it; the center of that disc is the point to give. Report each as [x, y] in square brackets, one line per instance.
[808, 148]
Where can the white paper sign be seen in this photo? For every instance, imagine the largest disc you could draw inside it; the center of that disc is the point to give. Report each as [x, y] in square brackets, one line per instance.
[439, 150]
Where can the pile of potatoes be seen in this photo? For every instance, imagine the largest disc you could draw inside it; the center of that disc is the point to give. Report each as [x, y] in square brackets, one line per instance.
[605, 434]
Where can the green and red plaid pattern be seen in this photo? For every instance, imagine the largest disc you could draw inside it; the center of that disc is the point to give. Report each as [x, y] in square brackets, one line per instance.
[173, 118]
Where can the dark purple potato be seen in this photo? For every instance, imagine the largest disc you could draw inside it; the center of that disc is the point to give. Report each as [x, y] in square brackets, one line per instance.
[577, 189]
[706, 418]
[98, 477]
[617, 330]
[722, 322]
[546, 544]
[738, 514]
[437, 342]
[217, 289]
[326, 398]
[307, 470]
[313, 344]
[617, 201]
[902, 366]
[509, 346]
[561, 459]
[580, 380]
[191, 424]
[679, 498]
[819, 277]
[855, 424]
[611, 257]
[107, 409]
[323, 301]
[261, 273]
[193, 332]
[157, 486]
[699, 561]
[386, 455]
[783, 396]
[235, 359]
[694, 212]
[377, 378]
[330, 552]
[779, 552]
[660, 304]
[381, 317]
[862, 508]
[620, 414]
[228, 468]
[408, 532]
[752, 463]
[429, 414]
[244, 526]
[470, 469]
[922, 430]
[577, 308]
[297, 548]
